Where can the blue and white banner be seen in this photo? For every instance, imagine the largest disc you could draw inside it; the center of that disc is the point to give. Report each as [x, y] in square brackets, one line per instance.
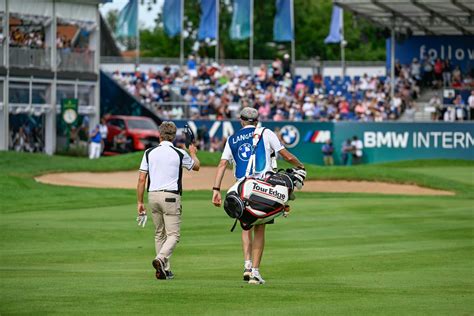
[172, 17]
[127, 20]
[283, 24]
[382, 141]
[208, 23]
[335, 31]
[458, 49]
[240, 27]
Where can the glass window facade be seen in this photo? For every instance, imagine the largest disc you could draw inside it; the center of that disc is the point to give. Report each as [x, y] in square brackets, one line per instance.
[64, 91]
[85, 94]
[40, 93]
[19, 92]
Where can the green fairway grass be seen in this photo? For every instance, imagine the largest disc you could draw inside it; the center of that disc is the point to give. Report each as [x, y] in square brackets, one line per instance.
[71, 250]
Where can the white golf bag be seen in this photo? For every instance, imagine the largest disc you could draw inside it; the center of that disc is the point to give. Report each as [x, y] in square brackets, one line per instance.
[253, 201]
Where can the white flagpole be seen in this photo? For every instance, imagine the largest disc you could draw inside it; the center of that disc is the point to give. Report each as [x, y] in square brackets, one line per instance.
[181, 40]
[217, 31]
[137, 59]
[251, 38]
[343, 53]
[392, 61]
[293, 49]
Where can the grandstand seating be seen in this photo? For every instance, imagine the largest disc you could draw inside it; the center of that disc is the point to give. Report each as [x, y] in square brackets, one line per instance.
[216, 87]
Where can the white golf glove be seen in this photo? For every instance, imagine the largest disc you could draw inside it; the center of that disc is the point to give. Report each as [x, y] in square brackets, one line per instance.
[141, 219]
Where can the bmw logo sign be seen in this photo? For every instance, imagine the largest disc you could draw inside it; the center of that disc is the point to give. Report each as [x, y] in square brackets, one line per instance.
[245, 151]
[290, 135]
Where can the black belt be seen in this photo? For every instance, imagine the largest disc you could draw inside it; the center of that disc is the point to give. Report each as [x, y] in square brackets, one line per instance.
[168, 191]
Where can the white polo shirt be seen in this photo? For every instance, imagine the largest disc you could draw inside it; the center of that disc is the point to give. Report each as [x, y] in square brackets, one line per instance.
[357, 144]
[164, 167]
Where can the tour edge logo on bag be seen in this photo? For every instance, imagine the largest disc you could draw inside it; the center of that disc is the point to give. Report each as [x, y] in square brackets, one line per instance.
[268, 190]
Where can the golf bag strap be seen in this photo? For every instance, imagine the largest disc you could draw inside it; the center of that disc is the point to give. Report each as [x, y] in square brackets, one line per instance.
[233, 226]
[251, 164]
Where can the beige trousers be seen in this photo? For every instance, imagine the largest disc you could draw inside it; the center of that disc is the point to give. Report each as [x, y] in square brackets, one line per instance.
[328, 160]
[166, 212]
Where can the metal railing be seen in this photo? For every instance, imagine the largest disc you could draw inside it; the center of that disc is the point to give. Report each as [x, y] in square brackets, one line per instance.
[76, 61]
[1, 56]
[187, 110]
[27, 57]
[236, 62]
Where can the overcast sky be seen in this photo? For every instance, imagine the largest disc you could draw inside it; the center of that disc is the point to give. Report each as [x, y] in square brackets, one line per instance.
[146, 18]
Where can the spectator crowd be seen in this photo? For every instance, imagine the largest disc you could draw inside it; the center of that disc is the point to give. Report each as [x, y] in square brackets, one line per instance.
[437, 73]
[26, 138]
[32, 38]
[218, 92]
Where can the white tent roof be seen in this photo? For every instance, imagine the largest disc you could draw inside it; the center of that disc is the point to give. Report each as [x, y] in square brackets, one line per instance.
[432, 17]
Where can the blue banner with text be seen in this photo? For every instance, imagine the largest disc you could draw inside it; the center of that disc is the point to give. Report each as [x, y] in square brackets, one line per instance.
[458, 49]
[382, 142]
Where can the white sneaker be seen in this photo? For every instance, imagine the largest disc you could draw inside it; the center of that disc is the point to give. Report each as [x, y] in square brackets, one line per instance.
[256, 279]
[247, 273]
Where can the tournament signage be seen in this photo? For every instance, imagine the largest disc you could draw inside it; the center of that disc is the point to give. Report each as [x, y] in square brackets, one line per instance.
[407, 141]
[69, 110]
[458, 49]
[382, 141]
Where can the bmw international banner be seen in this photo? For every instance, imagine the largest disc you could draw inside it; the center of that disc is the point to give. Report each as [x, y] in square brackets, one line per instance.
[382, 141]
[458, 49]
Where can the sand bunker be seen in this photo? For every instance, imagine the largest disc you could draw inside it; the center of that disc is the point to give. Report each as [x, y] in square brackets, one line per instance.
[203, 180]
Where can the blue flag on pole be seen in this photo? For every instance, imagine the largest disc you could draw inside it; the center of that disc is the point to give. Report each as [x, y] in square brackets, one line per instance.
[240, 27]
[208, 23]
[335, 32]
[283, 23]
[172, 17]
[127, 20]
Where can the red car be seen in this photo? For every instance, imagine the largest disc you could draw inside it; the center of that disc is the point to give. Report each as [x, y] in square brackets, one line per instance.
[131, 133]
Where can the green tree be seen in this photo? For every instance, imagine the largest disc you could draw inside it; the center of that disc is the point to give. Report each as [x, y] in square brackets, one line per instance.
[312, 19]
[112, 18]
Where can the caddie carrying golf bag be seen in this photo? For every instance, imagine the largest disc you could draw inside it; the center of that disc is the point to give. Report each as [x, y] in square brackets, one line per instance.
[258, 201]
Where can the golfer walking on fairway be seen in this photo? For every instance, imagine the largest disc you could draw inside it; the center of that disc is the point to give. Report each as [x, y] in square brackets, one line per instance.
[162, 165]
[238, 150]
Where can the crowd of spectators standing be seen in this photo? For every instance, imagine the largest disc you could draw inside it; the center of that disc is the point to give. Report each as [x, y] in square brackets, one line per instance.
[456, 108]
[34, 37]
[26, 38]
[218, 92]
[437, 73]
[27, 138]
[63, 43]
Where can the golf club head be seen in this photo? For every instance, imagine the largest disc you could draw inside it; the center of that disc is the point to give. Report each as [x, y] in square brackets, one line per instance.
[189, 136]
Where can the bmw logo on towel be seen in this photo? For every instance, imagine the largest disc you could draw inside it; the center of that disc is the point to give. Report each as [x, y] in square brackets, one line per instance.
[290, 135]
[245, 151]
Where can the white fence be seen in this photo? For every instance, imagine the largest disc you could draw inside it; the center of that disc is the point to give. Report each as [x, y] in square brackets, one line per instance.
[302, 68]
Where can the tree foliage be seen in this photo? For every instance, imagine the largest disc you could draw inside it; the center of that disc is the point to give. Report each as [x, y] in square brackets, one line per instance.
[312, 20]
